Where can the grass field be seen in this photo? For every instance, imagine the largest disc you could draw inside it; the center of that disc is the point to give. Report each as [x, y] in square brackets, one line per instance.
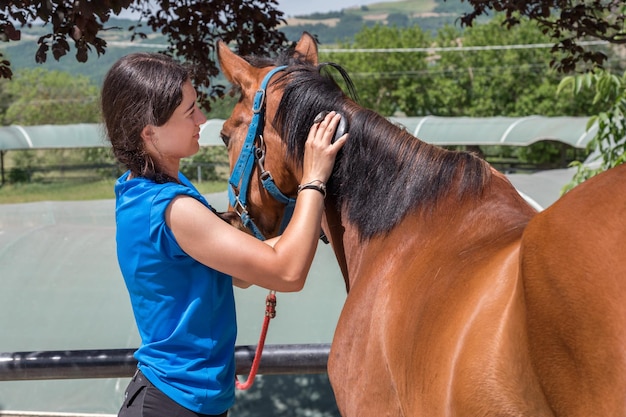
[76, 191]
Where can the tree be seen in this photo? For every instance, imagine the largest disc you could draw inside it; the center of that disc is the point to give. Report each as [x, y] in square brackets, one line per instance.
[567, 22]
[51, 97]
[398, 19]
[503, 81]
[378, 75]
[438, 79]
[5, 97]
[191, 27]
[38, 97]
[609, 143]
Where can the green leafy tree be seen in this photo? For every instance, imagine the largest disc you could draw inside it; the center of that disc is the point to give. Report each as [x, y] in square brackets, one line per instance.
[51, 97]
[567, 23]
[480, 81]
[609, 144]
[444, 89]
[379, 77]
[398, 19]
[5, 97]
[222, 107]
[503, 81]
[37, 97]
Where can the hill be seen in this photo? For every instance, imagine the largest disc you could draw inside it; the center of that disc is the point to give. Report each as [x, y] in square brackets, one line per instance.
[341, 26]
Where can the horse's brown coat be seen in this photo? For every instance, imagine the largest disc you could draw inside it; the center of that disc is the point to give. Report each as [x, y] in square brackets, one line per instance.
[471, 308]
[574, 269]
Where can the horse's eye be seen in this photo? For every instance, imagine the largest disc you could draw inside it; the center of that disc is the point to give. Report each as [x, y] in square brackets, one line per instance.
[225, 139]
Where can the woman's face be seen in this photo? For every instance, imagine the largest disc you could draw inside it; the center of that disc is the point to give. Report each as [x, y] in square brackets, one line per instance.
[178, 137]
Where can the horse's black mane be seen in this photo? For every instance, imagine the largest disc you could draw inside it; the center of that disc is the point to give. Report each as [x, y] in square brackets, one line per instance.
[383, 171]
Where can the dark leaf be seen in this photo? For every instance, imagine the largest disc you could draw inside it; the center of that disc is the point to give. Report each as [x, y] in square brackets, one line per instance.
[42, 53]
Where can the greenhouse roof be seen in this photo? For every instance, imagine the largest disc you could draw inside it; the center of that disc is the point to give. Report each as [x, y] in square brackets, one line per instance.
[514, 131]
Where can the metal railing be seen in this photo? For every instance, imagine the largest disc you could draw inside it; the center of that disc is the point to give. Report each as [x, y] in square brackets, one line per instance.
[120, 363]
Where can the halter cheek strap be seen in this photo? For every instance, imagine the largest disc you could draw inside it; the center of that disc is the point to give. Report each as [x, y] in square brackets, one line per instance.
[242, 171]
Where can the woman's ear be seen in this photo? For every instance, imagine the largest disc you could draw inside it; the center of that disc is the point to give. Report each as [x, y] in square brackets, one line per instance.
[148, 134]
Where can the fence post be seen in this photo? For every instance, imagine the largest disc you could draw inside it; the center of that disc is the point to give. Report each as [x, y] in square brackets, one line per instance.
[2, 166]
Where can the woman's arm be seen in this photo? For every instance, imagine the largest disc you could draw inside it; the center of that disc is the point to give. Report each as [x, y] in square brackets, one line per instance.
[243, 284]
[239, 283]
[281, 264]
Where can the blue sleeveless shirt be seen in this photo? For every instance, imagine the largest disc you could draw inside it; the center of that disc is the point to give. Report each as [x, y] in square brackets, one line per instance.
[185, 311]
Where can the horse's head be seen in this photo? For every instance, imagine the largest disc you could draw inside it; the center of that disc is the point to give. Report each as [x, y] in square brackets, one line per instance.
[266, 131]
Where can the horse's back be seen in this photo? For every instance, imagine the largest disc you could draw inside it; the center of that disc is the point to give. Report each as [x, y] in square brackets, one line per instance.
[574, 271]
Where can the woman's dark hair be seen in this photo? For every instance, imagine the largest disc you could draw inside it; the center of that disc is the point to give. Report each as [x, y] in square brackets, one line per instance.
[140, 89]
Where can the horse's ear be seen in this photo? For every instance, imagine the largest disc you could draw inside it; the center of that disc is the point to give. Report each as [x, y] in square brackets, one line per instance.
[307, 47]
[235, 68]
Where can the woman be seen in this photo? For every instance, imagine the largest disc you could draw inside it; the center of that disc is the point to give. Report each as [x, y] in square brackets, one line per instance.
[177, 256]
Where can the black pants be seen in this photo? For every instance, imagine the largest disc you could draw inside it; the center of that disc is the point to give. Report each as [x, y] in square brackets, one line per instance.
[142, 399]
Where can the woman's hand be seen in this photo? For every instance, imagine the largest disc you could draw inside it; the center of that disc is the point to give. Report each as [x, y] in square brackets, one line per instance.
[319, 152]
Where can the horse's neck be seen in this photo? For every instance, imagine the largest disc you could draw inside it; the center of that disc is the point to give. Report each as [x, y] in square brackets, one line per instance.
[496, 218]
[334, 230]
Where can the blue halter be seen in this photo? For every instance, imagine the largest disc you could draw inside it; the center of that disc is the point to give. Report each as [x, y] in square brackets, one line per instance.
[242, 172]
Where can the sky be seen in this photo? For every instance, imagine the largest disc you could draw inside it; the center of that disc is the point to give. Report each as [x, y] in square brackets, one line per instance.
[299, 7]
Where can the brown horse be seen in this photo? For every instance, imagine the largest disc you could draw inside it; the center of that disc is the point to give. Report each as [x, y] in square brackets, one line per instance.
[462, 300]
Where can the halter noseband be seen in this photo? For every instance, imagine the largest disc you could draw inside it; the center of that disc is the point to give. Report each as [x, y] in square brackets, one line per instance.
[250, 153]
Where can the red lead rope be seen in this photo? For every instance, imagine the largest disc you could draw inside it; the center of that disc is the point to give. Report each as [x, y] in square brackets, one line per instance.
[270, 313]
